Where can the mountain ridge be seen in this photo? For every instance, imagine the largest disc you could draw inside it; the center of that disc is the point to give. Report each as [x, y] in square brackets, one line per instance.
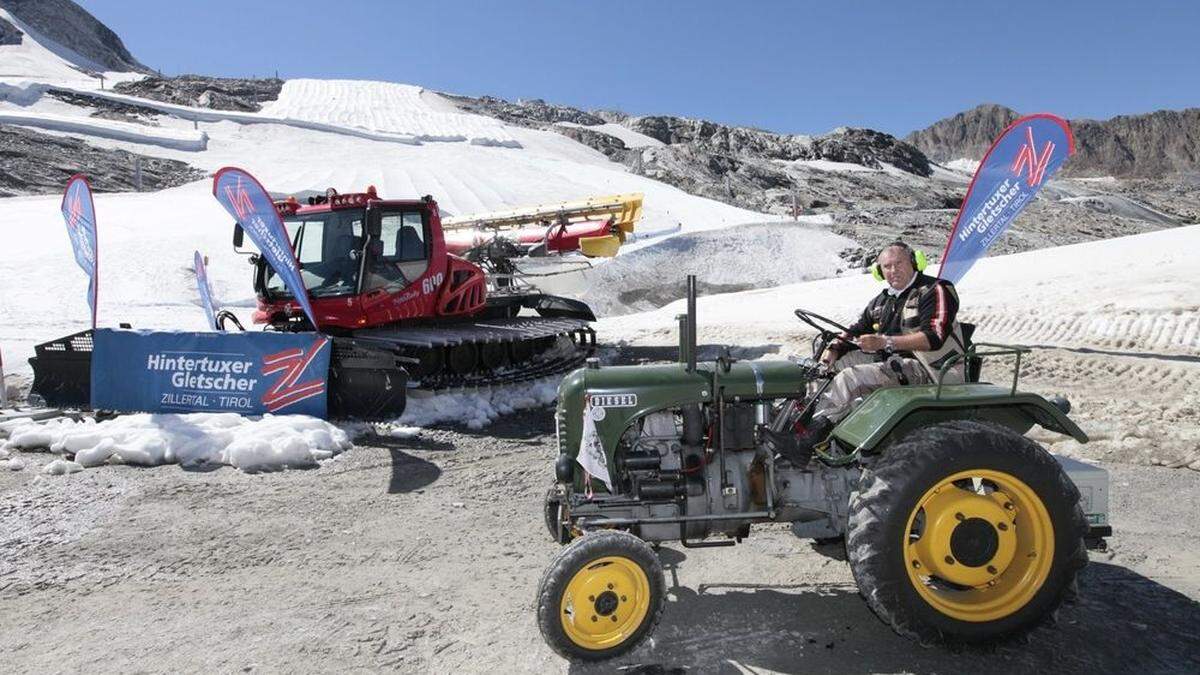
[1146, 145]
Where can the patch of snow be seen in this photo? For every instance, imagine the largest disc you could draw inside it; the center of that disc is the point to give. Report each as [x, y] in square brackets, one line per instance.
[266, 444]
[949, 175]
[477, 409]
[61, 467]
[629, 137]
[404, 432]
[828, 165]
[967, 166]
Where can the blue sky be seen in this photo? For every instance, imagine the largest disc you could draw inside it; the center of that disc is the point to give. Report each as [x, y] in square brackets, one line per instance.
[801, 67]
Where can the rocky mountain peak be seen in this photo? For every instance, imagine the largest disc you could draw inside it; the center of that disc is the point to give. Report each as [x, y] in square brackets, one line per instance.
[71, 26]
[966, 135]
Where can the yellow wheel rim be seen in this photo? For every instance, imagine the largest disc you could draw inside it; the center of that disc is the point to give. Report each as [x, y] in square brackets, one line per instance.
[979, 545]
[605, 603]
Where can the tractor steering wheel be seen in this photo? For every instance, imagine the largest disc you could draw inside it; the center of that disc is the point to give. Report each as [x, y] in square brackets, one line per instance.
[827, 329]
[819, 323]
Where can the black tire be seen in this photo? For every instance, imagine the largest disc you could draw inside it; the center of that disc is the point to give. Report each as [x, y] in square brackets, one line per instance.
[880, 549]
[580, 557]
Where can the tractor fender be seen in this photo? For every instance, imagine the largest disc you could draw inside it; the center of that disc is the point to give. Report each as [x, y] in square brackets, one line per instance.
[894, 411]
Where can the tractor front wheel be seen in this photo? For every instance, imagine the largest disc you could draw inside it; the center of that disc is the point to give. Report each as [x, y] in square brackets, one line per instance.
[965, 532]
[600, 597]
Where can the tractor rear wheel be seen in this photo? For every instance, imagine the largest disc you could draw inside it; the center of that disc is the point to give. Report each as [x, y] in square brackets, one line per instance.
[601, 596]
[965, 532]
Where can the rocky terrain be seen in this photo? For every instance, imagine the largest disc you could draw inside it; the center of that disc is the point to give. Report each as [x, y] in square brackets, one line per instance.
[1159, 144]
[71, 26]
[528, 113]
[37, 163]
[217, 93]
[107, 108]
[9, 34]
[876, 188]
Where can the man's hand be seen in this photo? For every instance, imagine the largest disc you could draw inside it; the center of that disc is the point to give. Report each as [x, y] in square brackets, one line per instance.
[871, 343]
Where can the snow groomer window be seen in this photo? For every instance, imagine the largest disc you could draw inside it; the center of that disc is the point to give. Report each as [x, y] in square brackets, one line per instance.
[403, 251]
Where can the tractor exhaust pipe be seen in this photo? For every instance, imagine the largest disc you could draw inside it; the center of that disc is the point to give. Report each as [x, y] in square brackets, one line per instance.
[691, 324]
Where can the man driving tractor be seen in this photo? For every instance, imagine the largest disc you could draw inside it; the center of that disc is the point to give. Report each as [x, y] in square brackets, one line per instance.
[903, 337]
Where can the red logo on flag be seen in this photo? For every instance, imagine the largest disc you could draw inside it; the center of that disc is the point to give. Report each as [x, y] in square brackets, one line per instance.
[292, 362]
[239, 199]
[76, 211]
[1029, 159]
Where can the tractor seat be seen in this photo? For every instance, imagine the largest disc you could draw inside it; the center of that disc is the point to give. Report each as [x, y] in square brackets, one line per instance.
[974, 365]
[409, 245]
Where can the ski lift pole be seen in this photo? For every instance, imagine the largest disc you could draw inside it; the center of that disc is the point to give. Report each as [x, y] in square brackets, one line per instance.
[3, 386]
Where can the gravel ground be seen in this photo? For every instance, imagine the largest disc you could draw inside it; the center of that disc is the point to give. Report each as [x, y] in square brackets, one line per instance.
[423, 555]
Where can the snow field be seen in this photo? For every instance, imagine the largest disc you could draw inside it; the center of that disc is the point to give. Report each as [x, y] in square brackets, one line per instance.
[266, 444]
[1133, 293]
[386, 107]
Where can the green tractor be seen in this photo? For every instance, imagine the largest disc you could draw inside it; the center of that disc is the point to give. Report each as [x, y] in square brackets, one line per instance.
[957, 527]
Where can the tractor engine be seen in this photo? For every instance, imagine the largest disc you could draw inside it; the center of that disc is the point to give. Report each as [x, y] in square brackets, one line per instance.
[691, 472]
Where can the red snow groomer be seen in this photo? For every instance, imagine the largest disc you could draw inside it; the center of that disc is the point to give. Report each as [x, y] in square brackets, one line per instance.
[379, 271]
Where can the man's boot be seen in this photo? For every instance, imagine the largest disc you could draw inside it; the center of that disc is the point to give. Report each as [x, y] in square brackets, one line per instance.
[816, 431]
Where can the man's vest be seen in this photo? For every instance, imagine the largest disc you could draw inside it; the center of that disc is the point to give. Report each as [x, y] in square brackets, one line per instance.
[953, 345]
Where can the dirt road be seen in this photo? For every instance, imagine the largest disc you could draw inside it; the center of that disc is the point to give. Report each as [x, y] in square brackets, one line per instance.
[422, 555]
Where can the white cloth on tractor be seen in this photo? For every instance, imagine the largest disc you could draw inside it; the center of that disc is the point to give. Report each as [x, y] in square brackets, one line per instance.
[859, 374]
[591, 451]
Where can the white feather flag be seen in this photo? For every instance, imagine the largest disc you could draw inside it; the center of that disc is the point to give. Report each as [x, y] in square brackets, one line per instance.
[591, 452]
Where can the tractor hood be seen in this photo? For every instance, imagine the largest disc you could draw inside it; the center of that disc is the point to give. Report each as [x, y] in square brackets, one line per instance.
[619, 395]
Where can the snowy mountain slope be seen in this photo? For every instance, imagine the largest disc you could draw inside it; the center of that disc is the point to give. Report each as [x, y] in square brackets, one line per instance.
[1134, 294]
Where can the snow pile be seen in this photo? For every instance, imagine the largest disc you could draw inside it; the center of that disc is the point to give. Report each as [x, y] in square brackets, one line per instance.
[266, 444]
[385, 107]
[478, 409]
[178, 139]
[730, 259]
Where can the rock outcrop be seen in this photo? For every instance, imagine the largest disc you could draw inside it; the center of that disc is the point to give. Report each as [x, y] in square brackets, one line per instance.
[9, 34]
[36, 163]
[198, 91]
[527, 113]
[854, 146]
[966, 135]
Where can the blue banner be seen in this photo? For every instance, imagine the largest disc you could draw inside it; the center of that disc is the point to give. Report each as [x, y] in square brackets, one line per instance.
[246, 373]
[246, 200]
[79, 212]
[1021, 160]
[206, 294]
